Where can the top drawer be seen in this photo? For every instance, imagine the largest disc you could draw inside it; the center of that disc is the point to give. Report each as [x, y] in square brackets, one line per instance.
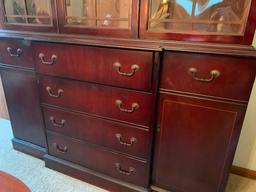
[123, 68]
[16, 52]
[214, 75]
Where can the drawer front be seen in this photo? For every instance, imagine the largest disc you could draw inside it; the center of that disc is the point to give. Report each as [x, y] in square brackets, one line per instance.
[124, 68]
[16, 52]
[97, 159]
[125, 105]
[120, 137]
[215, 75]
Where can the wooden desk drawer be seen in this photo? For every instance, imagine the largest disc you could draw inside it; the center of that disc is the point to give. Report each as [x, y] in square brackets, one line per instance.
[235, 80]
[123, 68]
[109, 163]
[121, 104]
[118, 136]
[16, 52]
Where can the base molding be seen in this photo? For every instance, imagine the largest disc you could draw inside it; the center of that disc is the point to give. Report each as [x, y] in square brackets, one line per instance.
[29, 148]
[90, 176]
[243, 172]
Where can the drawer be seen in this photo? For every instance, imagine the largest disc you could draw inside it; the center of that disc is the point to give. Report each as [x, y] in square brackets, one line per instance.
[117, 136]
[16, 52]
[214, 75]
[123, 68]
[97, 159]
[115, 103]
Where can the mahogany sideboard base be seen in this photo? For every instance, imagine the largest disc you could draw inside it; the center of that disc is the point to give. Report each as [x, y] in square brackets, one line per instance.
[28, 148]
[90, 176]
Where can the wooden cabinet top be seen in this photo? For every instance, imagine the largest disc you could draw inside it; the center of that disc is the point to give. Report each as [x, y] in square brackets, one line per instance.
[201, 21]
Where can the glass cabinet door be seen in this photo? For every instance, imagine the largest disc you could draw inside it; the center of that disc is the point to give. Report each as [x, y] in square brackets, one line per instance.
[198, 17]
[99, 16]
[27, 14]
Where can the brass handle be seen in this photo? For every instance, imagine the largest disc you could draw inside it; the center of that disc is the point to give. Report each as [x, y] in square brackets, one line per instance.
[58, 95]
[134, 69]
[119, 104]
[56, 124]
[61, 149]
[51, 62]
[214, 74]
[133, 140]
[124, 172]
[12, 54]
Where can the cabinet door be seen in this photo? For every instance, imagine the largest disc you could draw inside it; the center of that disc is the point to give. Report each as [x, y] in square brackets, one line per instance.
[28, 15]
[196, 143]
[225, 21]
[99, 17]
[23, 105]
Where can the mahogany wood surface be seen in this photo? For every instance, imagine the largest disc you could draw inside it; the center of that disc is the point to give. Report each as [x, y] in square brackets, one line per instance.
[99, 100]
[194, 143]
[22, 99]
[96, 64]
[236, 73]
[98, 131]
[8, 183]
[189, 148]
[91, 176]
[13, 57]
[98, 159]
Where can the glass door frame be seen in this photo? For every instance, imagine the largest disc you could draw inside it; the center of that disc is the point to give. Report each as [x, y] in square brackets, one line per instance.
[246, 38]
[32, 27]
[129, 33]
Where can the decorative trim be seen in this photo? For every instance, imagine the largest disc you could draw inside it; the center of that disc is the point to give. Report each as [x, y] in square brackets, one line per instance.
[243, 172]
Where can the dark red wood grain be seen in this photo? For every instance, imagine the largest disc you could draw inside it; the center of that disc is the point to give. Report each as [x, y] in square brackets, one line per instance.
[98, 100]
[99, 131]
[237, 74]
[196, 140]
[98, 159]
[24, 60]
[22, 98]
[95, 64]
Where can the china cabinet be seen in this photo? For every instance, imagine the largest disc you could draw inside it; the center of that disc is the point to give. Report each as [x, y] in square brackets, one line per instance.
[130, 95]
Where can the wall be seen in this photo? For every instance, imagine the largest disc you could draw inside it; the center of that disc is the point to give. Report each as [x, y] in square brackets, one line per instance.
[246, 152]
[3, 107]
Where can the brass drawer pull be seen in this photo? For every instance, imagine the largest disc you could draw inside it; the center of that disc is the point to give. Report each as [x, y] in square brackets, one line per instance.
[60, 149]
[133, 140]
[124, 172]
[134, 69]
[214, 74]
[53, 59]
[58, 95]
[12, 54]
[119, 104]
[56, 124]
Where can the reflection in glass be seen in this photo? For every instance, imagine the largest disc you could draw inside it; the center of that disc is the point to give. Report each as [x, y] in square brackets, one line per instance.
[98, 13]
[28, 11]
[204, 16]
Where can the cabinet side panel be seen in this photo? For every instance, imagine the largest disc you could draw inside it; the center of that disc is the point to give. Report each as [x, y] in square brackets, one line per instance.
[23, 104]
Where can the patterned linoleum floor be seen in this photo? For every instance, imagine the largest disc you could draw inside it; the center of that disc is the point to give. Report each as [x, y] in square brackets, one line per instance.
[40, 179]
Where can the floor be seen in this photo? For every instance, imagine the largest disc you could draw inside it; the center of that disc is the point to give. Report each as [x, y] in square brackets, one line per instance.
[40, 179]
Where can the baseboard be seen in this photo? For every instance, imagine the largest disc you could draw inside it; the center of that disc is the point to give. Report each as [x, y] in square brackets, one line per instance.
[243, 172]
[90, 176]
[28, 148]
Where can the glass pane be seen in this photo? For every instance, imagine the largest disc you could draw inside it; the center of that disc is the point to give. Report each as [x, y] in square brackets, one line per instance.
[13, 10]
[28, 11]
[98, 13]
[203, 16]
